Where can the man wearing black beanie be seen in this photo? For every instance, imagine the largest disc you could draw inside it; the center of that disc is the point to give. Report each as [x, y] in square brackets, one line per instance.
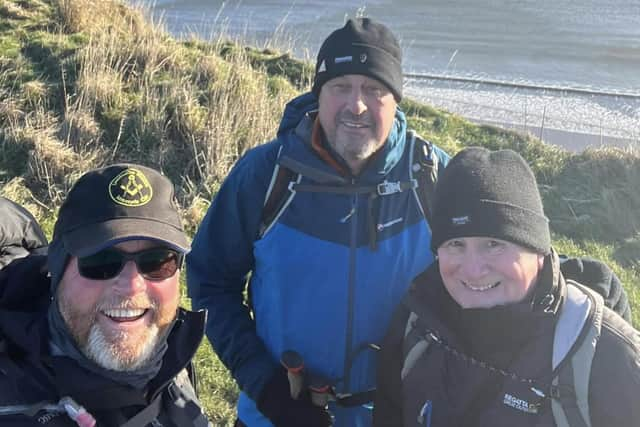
[327, 222]
[492, 333]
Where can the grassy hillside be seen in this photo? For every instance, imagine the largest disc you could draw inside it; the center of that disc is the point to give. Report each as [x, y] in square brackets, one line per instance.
[87, 83]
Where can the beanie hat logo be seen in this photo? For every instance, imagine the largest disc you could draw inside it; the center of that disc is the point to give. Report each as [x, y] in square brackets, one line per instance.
[322, 68]
[363, 58]
[130, 188]
[461, 220]
[343, 59]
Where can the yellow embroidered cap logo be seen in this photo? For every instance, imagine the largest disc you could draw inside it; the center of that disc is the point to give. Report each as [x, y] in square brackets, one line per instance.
[130, 188]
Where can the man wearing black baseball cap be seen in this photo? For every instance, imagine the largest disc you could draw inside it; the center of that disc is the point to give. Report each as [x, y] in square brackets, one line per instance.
[328, 223]
[110, 346]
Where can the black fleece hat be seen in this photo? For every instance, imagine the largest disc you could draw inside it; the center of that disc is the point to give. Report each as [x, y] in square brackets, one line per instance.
[484, 193]
[113, 204]
[362, 46]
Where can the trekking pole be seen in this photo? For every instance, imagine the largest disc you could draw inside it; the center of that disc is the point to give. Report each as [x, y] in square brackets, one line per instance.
[294, 364]
[321, 390]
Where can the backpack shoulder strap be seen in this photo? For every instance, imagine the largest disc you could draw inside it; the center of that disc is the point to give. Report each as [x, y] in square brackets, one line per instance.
[415, 342]
[146, 415]
[186, 409]
[276, 198]
[574, 346]
[287, 173]
[424, 168]
[415, 345]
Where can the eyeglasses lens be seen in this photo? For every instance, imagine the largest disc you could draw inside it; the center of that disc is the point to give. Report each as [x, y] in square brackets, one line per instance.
[101, 266]
[158, 264]
[153, 264]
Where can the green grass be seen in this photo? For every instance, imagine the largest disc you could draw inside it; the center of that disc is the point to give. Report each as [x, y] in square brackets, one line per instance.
[85, 83]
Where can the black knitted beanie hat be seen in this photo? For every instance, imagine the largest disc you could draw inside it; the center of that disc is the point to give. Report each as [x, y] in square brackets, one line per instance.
[362, 46]
[484, 193]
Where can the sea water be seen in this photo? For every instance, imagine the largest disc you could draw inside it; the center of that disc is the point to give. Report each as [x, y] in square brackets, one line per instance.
[590, 45]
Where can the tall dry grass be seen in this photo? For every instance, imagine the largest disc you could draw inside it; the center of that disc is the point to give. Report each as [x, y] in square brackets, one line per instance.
[132, 93]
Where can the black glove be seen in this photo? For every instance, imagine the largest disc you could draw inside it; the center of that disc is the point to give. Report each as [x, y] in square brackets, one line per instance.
[276, 403]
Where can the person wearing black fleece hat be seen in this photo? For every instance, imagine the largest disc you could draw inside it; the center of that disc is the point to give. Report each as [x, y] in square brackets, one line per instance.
[321, 219]
[358, 83]
[485, 193]
[364, 47]
[487, 205]
[492, 333]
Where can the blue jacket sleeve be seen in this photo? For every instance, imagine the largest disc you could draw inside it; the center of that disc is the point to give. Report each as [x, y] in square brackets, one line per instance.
[219, 263]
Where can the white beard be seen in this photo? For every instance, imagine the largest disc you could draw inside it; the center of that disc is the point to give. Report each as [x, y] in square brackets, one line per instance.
[109, 354]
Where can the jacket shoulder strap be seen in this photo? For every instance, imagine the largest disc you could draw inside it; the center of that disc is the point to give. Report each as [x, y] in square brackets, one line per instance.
[574, 346]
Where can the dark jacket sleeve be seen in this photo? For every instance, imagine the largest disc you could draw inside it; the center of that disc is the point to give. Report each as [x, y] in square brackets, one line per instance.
[219, 263]
[20, 233]
[387, 408]
[599, 277]
[614, 387]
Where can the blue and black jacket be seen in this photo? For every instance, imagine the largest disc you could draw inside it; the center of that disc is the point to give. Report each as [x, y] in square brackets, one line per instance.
[324, 277]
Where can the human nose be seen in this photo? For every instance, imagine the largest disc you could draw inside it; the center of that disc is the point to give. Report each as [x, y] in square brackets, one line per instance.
[356, 102]
[129, 281]
[475, 265]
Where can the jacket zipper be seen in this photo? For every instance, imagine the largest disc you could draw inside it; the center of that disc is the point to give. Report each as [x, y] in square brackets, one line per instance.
[353, 242]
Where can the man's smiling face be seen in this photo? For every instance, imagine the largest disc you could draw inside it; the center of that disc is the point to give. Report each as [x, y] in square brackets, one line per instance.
[118, 322]
[356, 113]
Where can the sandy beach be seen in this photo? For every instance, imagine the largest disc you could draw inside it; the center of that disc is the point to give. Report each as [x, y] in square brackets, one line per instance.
[571, 120]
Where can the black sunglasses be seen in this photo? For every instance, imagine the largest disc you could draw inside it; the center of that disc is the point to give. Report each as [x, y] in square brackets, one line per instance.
[153, 264]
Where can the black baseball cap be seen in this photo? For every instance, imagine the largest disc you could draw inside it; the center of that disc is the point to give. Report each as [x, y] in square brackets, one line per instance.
[118, 203]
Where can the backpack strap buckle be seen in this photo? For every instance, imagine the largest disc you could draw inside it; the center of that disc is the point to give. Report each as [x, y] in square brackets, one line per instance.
[386, 188]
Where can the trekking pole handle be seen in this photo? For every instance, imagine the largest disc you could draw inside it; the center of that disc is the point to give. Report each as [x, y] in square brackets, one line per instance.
[294, 364]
